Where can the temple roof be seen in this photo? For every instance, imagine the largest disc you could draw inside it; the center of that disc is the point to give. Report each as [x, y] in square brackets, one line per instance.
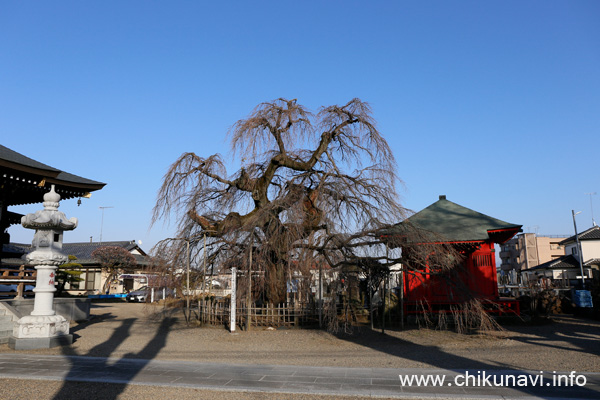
[450, 222]
[24, 180]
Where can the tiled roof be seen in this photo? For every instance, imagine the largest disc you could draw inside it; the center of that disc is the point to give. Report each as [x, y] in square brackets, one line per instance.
[83, 251]
[566, 262]
[590, 234]
[592, 261]
[456, 223]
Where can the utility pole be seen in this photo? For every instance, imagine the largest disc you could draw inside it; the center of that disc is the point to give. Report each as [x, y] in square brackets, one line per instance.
[579, 249]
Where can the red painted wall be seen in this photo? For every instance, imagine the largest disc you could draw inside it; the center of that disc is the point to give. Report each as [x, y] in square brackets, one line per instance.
[477, 275]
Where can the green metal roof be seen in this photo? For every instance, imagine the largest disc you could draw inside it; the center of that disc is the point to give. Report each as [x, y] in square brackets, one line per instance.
[448, 221]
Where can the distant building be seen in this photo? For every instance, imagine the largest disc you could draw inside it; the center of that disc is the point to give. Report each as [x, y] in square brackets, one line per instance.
[565, 271]
[528, 250]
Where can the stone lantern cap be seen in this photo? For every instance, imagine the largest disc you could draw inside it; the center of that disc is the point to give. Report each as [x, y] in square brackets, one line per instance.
[49, 217]
[49, 225]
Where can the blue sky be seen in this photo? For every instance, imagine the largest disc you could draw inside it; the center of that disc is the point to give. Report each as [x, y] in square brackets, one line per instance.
[495, 104]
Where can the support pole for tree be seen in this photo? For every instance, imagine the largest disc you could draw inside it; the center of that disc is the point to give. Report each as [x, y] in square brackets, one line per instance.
[187, 257]
[249, 295]
[204, 267]
[383, 303]
[203, 277]
[401, 294]
[320, 295]
[370, 281]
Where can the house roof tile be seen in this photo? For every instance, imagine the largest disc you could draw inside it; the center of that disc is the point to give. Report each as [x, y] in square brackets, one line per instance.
[83, 250]
[590, 234]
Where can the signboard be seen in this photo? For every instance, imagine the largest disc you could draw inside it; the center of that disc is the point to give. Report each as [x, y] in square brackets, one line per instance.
[233, 300]
[582, 298]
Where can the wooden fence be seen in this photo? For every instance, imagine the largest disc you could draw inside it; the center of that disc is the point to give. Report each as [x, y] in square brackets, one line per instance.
[216, 312]
[18, 277]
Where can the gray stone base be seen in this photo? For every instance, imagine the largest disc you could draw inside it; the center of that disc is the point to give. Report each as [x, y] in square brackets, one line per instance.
[39, 343]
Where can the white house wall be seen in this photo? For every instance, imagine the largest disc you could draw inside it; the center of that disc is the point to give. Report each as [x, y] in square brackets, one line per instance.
[590, 249]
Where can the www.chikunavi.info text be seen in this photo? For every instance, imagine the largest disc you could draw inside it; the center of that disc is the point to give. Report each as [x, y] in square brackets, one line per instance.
[495, 379]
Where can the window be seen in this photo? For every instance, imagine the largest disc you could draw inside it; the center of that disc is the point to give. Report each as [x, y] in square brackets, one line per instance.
[90, 280]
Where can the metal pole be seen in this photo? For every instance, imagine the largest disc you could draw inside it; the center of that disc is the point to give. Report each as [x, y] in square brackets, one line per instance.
[204, 277]
[249, 296]
[204, 268]
[383, 305]
[187, 242]
[320, 295]
[401, 294]
[370, 298]
[579, 249]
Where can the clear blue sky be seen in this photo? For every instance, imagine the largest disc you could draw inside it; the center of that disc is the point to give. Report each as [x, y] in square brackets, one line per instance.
[495, 104]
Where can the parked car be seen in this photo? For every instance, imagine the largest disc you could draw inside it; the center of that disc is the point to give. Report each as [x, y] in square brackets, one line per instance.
[144, 294]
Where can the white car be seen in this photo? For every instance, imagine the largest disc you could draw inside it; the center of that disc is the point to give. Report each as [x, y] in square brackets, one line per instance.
[144, 294]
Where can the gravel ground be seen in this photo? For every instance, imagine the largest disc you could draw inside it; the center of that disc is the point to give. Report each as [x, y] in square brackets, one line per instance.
[140, 331]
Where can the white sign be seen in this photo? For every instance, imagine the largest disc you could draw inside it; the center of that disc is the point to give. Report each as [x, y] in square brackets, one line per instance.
[233, 300]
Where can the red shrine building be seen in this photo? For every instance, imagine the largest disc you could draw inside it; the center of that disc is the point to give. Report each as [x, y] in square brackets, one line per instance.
[470, 233]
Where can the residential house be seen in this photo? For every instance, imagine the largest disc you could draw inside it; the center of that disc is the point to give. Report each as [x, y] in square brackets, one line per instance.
[566, 272]
[93, 276]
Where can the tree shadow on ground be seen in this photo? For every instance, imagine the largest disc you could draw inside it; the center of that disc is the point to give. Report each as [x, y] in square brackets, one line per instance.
[93, 320]
[118, 372]
[563, 332]
[436, 358]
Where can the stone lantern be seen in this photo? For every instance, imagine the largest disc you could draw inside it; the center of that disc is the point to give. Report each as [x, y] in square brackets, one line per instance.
[43, 328]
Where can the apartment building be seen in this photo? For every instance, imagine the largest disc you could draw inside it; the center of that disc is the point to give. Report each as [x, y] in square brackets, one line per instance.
[528, 250]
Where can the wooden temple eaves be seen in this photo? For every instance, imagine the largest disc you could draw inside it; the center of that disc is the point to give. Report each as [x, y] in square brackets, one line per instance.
[24, 180]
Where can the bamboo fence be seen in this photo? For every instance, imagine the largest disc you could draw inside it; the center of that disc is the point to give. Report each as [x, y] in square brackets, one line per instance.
[216, 312]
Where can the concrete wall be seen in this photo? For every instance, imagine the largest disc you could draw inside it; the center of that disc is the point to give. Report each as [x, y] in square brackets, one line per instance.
[72, 309]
